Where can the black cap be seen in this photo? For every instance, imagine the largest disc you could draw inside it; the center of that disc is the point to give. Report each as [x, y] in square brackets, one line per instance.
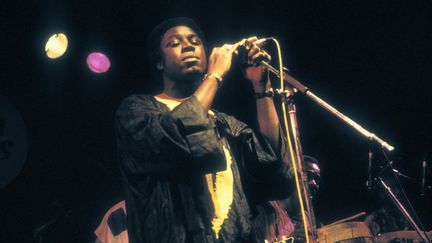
[155, 37]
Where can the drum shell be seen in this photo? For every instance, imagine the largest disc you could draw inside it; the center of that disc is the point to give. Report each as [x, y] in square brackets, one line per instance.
[347, 232]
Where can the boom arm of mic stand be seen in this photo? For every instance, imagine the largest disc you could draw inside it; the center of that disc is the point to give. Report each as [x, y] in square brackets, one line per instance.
[300, 87]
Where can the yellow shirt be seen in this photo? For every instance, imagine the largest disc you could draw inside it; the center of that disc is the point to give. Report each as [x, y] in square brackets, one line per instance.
[220, 184]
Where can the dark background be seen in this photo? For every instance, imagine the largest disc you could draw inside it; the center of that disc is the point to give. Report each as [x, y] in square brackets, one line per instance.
[370, 59]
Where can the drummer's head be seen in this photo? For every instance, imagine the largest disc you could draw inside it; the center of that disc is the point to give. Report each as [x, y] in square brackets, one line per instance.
[313, 173]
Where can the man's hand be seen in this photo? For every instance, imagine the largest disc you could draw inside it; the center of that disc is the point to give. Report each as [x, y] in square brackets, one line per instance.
[252, 70]
[221, 58]
[219, 63]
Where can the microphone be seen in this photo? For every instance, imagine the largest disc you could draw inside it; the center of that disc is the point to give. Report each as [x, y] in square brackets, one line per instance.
[241, 51]
[260, 43]
[423, 178]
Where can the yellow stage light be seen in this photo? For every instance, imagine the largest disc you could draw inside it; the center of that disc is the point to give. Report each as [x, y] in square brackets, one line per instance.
[56, 46]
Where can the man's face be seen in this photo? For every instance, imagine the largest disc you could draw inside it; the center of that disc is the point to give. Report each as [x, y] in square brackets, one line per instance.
[183, 54]
[313, 173]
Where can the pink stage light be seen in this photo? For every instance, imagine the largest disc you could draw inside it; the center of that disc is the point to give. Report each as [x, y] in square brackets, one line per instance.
[98, 62]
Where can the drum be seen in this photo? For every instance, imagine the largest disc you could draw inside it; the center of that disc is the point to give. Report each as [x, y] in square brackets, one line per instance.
[401, 236]
[347, 232]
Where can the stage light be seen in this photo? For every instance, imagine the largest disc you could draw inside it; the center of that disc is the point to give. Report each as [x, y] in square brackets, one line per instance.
[56, 45]
[98, 62]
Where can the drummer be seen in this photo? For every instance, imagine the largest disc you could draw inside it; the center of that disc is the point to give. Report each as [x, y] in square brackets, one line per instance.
[279, 220]
[291, 205]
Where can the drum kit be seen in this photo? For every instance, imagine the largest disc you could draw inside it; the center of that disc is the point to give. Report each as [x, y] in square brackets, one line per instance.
[358, 232]
[349, 231]
[353, 232]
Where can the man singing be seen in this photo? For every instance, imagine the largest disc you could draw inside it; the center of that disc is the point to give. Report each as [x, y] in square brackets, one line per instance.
[192, 174]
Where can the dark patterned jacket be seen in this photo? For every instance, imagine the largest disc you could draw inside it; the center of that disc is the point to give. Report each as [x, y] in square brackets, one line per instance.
[164, 157]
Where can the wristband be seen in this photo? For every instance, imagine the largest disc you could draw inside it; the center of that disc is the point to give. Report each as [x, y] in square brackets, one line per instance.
[268, 93]
[216, 76]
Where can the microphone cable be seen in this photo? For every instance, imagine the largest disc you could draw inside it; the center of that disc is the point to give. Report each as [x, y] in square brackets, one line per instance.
[290, 143]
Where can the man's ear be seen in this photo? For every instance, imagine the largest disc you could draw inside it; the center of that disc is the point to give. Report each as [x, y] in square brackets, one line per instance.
[159, 66]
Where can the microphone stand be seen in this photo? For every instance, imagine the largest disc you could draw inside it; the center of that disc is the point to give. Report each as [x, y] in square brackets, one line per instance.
[288, 101]
[297, 86]
[303, 89]
[402, 209]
